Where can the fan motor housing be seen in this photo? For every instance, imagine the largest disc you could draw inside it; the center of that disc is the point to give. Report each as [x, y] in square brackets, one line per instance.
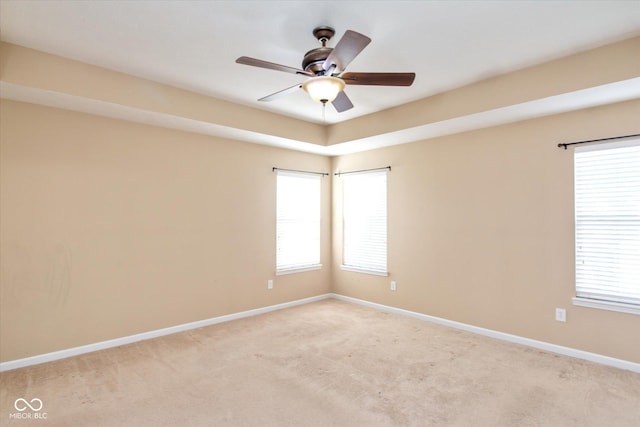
[314, 59]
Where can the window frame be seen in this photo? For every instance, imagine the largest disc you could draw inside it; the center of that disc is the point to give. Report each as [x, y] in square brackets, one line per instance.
[593, 296]
[355, 267]
[309, 265]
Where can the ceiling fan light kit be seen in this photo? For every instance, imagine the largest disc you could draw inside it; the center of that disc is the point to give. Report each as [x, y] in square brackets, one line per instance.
[324, 66]
[323, 89]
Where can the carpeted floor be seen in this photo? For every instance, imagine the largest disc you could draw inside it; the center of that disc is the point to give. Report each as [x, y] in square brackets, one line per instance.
[329, 363]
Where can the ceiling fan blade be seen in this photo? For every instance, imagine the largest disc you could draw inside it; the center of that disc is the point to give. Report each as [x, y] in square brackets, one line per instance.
[245, 60]
[349, 46]
[342, 102]
[281, 93]
[379, 79]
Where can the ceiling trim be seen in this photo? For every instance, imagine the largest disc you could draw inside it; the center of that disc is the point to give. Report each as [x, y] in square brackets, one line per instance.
[552, 88]
[587, 98]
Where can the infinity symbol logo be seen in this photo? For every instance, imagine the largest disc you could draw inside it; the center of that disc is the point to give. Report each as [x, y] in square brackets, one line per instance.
[34, 405]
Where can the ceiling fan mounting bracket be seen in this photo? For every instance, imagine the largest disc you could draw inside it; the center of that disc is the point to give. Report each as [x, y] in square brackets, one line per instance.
[323, 34]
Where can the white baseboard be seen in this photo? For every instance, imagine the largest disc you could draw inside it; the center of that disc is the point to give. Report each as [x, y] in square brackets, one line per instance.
[553, 348]
[75, 351]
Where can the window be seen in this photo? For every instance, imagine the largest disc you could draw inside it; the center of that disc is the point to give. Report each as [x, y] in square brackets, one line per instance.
[607, 220]
[365, 222]
[297, 222]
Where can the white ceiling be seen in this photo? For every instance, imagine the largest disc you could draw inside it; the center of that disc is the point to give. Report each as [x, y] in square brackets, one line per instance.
[193, 44]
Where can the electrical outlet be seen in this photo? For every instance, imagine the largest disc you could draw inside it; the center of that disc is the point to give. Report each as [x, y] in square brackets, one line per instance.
[393, 285]
[561, 315]
[269, 284]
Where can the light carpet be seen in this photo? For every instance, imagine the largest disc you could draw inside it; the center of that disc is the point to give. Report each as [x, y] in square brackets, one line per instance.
[329, 363]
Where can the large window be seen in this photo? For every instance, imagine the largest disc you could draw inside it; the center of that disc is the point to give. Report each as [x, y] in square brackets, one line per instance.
[365, 222]
[297, 222]
[607, 220]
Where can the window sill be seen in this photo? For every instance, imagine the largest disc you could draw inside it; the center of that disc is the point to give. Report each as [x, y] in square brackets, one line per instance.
[364, 270]
[298, 269]
[607, 305]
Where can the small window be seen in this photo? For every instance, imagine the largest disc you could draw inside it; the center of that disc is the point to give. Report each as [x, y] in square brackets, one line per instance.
[297, 222]
[365, 222]
[607, 226]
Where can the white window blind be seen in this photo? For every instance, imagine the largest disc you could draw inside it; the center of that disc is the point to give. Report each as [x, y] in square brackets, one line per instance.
[365, 222]
[297, 222]
[607, 220]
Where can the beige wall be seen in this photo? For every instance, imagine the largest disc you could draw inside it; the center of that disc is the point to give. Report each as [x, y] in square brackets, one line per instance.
[480, 230]
[110, 228]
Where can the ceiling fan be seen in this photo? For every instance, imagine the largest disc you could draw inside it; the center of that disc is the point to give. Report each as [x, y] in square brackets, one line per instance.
[325, 68]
